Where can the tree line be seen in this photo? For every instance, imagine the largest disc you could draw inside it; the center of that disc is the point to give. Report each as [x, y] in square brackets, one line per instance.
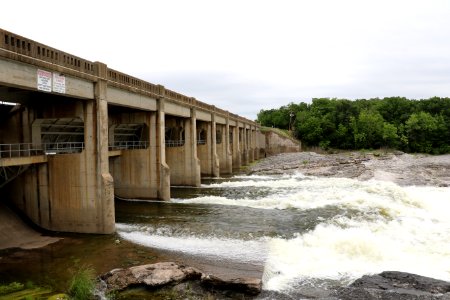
[394, 122]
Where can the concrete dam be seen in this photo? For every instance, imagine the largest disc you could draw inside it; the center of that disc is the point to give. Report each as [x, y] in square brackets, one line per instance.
[75, 133]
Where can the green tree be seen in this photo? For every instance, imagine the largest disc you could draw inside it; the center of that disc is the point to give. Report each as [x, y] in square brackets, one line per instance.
[368, 129]
[420, 128]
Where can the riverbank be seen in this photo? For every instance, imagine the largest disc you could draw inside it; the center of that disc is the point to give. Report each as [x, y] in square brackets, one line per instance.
[398, 167]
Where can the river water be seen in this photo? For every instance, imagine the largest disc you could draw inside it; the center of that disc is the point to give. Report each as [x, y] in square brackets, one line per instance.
[301, 234]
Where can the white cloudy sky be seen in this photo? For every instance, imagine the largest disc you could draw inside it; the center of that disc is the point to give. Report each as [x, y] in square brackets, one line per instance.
[247, 55]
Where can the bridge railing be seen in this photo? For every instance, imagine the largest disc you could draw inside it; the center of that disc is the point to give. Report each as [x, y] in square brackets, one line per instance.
[175, 143]
[29, 149]
[22, 49]
[63, 147]
[21, 45]
[128, 145]
[19, 150]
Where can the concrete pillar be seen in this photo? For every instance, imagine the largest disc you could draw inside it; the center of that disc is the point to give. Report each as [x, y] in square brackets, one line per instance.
[237, 156]
[256, 143]
[215, 159]
[192, 161]
[245, 157]
[226, 158]
[160, 147]
[204, 149]
[251, 146]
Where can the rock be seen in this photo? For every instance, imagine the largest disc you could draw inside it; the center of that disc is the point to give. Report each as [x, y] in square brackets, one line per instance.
[249, 286]
[396, 285]
[168, 273]
[152, 275]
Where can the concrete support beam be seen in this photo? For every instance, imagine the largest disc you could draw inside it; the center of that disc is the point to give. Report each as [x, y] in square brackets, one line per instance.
[207, 147]
[236, 149]
[160, 146]
[244, 149]
[251, 146]
[223, 149]
[215, 159]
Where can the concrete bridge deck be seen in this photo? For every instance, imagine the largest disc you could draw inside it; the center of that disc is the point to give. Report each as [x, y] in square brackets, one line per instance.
[93, 132]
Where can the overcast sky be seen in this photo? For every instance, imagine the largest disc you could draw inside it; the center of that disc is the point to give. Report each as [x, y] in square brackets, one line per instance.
[247, 55]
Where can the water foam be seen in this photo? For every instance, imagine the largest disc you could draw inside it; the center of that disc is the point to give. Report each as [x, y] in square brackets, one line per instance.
[216, 248]
[409, 231]
[395, 228]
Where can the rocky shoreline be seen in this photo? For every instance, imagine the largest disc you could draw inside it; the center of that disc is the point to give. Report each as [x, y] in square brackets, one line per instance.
[182, 282]
[398, 167]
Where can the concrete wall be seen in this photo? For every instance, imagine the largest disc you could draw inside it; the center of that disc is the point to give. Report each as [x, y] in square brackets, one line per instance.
[276, 144]
[135, 171]
[72, 192]
[75, 192]
[182, 160]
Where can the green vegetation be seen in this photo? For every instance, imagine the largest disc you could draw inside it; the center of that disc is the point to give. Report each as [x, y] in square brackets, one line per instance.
[395, 122]
[19, 291]
[10, 288]
[82, 284]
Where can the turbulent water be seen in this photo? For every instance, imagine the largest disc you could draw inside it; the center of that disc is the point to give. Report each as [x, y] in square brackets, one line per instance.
[302, 231]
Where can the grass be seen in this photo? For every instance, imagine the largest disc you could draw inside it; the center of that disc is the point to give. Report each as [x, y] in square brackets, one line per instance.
[82, 284]
[10, 288]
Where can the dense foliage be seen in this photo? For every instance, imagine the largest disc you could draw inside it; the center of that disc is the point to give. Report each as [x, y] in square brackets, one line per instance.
[395, 122]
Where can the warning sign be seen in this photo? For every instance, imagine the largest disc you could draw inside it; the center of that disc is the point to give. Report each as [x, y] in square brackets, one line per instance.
[44, 81]
[59, 83]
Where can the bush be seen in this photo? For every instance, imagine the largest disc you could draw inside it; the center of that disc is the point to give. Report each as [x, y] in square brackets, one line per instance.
[82, 284]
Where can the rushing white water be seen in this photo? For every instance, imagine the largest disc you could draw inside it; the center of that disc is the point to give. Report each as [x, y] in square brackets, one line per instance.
[385, 227]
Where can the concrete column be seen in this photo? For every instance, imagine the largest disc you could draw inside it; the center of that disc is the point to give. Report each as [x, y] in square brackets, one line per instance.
[256, 143]
[160, 147]
[226, 166]
[237, 156]
[251, 146]
[245, 157]
[215, 169]
[191, 159]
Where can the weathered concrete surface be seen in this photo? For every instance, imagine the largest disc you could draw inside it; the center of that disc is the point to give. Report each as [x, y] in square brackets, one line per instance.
[14, 233]
[276, 143]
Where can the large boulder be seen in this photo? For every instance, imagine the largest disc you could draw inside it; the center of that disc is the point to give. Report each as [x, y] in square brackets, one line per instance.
[396, 286]
[249, 286]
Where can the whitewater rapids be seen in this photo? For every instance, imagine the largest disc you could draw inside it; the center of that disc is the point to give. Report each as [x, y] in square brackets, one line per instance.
[308, 230]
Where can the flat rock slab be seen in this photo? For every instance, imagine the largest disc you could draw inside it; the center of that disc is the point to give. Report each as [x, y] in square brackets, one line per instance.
[169, 273]
[152, 275]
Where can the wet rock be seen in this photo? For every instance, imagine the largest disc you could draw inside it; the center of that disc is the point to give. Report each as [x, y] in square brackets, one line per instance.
[152, 275]
[249, 286]
[161, 275]
[396, 285]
